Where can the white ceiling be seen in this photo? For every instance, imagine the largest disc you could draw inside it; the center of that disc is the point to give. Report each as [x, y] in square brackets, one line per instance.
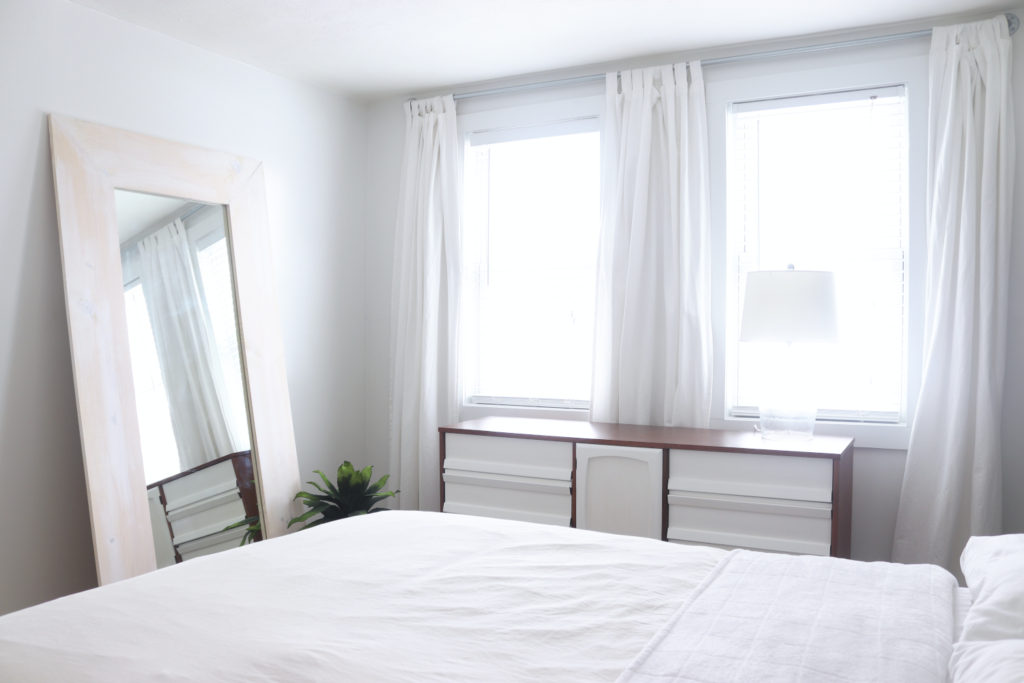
[375, 47]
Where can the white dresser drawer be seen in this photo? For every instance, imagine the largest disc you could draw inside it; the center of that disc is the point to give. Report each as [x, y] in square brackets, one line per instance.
[751, 474]
[510, 456]
[204, 483]
[508, 497]
[748, 522]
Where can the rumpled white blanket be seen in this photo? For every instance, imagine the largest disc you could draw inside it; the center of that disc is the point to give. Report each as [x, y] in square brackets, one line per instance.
[395, 596]
[762, 617]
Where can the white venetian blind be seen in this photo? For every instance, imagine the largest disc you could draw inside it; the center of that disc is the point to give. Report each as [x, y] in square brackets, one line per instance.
[821, 182]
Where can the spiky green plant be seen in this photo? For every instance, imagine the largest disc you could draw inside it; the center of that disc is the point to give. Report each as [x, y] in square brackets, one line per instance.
[354, 493]
[253, 531]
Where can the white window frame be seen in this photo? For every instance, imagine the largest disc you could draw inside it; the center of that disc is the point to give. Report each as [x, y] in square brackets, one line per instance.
[870, 67]
[524, 116]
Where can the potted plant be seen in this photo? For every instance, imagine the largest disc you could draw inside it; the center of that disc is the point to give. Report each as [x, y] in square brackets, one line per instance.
[353, 493]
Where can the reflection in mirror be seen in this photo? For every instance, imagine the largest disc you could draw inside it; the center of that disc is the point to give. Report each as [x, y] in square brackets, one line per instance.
[189, 390]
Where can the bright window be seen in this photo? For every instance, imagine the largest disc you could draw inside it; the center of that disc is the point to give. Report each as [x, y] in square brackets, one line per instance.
[530, 250]
[821, 182]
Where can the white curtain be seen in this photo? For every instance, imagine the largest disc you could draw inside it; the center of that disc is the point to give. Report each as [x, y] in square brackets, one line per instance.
[424, 312]
[652, 350]
[184, 340]
[952, 487]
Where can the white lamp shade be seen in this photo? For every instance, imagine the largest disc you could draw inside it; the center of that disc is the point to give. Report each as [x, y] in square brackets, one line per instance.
[789, 306]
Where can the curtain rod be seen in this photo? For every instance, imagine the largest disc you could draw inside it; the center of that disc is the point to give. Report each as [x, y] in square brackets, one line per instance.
[1011, 19]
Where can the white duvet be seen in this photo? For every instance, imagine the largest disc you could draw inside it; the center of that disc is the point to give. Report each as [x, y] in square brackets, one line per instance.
[417, 596]
[395, 596]
[762, 617]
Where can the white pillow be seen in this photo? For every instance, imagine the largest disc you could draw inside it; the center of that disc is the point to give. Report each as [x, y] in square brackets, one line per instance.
[995, 661]
[991, 647]
[994, 569]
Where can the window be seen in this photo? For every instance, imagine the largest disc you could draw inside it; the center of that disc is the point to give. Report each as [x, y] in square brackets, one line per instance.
[821, 182]
[819, 161]
[530, 233]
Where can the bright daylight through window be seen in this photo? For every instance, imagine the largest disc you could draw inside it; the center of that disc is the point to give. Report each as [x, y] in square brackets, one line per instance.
[821, 182]
[154, 413]
[530, 245]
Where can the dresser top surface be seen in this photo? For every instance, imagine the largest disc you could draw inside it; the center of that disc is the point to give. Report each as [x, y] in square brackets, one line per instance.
[656, 437]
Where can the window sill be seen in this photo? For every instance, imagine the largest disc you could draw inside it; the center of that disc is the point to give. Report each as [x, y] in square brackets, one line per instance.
[865, 435]
[471, 411]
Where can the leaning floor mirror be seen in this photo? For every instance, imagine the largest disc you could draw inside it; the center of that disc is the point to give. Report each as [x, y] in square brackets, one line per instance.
[179, 368]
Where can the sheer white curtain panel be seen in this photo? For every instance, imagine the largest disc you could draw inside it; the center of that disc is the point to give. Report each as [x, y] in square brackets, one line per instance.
[952, 484]
[652, 350]
[424, 312]
[188, 356]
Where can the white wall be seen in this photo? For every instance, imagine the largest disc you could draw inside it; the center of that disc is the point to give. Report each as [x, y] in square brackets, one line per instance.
[878, 473]
[59, 57]
[1013, 395]
[386, 136]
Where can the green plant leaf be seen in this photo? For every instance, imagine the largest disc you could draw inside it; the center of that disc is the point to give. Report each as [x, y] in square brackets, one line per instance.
[319, 488]
[311, 499]
[354, 493]
[330, 486]
[304, 516]
[378, 485]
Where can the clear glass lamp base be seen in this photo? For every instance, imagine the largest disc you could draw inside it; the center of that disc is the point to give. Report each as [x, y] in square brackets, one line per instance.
[786, 423]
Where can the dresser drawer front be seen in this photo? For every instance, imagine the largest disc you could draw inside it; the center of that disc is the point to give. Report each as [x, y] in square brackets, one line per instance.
[751, 474]
[200, 485]
[508, 497]
[509, 456]
[747, 522]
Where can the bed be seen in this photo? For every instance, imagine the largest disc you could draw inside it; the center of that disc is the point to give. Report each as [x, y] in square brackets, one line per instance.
[418, 596]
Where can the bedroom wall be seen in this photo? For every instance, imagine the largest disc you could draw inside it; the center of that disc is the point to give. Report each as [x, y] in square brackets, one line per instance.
[386, 136]
[1013, 394]
[878, 473]
[59, 57]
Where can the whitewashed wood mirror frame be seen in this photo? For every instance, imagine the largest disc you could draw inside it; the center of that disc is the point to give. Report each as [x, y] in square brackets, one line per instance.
[90, 162]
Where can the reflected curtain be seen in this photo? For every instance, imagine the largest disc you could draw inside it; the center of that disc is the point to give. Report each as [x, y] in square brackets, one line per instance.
[951, 487]
[652, 352]
[424, 314]
[189, 362]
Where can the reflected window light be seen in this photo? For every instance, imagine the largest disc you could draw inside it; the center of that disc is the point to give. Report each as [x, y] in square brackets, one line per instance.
[215, 272]
[159, 447]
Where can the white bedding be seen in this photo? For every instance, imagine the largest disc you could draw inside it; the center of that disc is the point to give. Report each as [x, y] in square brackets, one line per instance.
[761, 617]
[395, 596]
[991, 646]
[416, 596]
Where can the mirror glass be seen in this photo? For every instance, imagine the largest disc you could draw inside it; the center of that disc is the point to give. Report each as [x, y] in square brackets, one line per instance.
[187, 374]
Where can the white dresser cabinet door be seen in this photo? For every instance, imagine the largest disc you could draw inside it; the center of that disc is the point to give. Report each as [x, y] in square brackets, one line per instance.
[619, 489]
